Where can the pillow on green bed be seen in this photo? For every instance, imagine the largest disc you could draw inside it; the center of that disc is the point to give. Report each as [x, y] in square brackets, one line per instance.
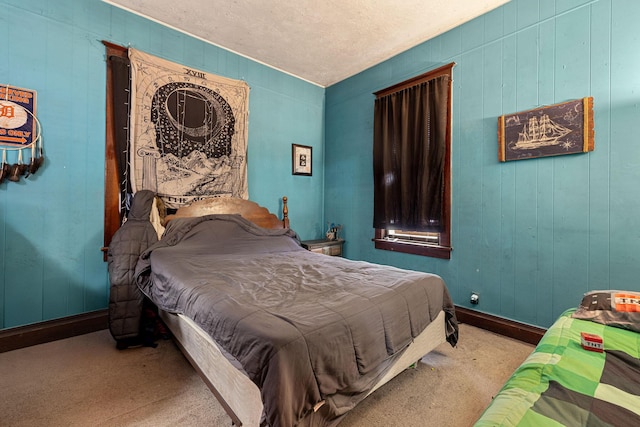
[613, 308]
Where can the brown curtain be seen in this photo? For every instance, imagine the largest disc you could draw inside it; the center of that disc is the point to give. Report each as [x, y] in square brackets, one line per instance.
[121, 97]
[409, 151]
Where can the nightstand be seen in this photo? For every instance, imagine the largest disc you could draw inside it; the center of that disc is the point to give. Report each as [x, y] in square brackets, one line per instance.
[324, 246]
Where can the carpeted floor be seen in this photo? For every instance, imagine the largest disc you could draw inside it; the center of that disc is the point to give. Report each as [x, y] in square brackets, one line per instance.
[86, 381]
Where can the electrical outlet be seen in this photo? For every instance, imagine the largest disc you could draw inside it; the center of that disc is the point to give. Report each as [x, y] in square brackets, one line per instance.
[475, 298]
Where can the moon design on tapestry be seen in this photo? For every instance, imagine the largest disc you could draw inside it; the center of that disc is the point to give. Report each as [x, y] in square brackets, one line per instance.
[194, 127]
[189, 118]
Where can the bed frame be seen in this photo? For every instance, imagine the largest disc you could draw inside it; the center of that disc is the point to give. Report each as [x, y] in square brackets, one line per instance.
[229, 205]
[237, 394]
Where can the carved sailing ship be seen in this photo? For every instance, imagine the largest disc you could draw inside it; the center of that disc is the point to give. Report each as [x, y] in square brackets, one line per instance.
[539, 133]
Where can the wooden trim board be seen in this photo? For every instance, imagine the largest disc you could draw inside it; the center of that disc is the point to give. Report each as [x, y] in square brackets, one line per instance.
[52, 330]
[508, 328]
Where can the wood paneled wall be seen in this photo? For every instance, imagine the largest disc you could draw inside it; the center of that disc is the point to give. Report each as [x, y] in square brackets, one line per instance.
[530, 236]
[51, 224]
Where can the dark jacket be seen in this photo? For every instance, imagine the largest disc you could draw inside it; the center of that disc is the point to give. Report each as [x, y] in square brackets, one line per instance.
[131, 239]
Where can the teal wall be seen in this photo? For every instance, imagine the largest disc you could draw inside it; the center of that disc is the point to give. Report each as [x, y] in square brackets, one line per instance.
[530, 236]
[51, 224]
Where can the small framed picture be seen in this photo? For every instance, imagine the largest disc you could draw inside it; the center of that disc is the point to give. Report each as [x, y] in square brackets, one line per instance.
[301, 160]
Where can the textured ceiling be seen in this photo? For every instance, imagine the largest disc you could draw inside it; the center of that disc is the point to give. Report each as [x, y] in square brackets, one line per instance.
[321, 41]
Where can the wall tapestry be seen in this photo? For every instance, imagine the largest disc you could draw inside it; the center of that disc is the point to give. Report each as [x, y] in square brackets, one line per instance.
[188, 131]
[565, 128]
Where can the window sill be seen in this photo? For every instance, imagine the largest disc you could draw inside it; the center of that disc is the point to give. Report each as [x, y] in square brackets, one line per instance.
[434, 251]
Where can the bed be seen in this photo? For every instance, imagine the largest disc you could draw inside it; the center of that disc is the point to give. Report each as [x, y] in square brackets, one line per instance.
[585, 371]
[281, 335]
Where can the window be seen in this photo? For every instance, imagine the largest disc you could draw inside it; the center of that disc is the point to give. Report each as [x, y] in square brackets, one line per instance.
[412, 165]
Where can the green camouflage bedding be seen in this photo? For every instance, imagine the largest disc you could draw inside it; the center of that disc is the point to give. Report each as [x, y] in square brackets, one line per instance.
[561, 383]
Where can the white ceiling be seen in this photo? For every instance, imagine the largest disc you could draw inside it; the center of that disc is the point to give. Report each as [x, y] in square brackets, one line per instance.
[321, 41]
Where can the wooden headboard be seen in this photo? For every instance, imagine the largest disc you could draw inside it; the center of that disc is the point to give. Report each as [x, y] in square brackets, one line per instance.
[227, 205]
